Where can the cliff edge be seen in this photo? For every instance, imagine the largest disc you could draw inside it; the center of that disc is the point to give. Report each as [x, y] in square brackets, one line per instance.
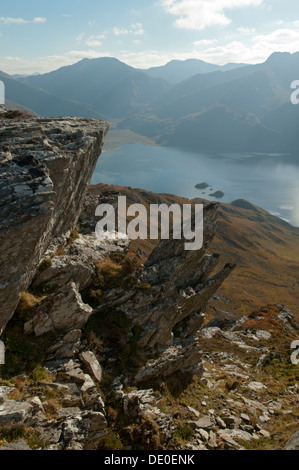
[45, 167]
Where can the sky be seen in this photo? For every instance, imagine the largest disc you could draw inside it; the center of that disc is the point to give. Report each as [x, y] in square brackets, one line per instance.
[42, 35]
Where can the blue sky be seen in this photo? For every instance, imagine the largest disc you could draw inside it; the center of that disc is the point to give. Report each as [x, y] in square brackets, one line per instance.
[39, 36]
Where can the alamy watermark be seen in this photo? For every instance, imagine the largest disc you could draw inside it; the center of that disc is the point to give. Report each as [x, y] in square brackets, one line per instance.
[2, 93]
[295, 94]
[295, 355]
[184, 222]
[2, 353]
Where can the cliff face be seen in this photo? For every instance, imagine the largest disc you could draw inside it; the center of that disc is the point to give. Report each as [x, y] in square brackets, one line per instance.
[45, 167]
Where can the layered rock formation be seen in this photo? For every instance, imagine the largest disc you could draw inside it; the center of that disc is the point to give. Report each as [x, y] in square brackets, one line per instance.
[169, 314]
[45, 167]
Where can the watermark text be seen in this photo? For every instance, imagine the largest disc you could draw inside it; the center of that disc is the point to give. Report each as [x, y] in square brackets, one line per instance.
[295, 355]
[2, 353]
[172, 221]
[295, 94]
[2, 93]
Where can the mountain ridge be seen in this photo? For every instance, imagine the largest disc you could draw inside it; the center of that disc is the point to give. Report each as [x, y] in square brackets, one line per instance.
[154, 108]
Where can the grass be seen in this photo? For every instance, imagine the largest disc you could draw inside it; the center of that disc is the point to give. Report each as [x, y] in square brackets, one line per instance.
[74, 235]
[111, 442]
[27, 303]
[40, 374]
[184, 432]
[45, 264]
[16, 114]
[9, 434]
[117, 270]
[23, 354]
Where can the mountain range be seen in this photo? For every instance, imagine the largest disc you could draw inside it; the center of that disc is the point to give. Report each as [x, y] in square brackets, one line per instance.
[188, 104]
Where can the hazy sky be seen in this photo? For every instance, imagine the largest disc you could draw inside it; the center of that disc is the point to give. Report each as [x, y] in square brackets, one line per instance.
[42, 35]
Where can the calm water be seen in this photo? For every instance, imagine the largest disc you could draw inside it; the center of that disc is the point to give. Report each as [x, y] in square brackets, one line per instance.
[269, 181]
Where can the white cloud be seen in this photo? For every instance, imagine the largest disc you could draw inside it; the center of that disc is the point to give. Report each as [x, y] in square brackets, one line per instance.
[278, 40]
[80, 37]
[199, 14]
[46, 64]
[243, 30]
[119, 31]
[39, 20]
[9, 20]
[136, 29]
[95, 41]
[258, 50]
[204, 42]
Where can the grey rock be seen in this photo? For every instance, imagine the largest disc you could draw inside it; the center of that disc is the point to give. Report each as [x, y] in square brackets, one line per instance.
[225, 436]
[92, 364]
[293, 442]
[245, 418]
[60, 311]
[13, 412]
[72, 336]
[239, 434]
[194, 411]
[141, 404]
[84, 430]
[16, 445]
[204, 423]
[177, 358]
[88, 386]
[204, 435]
[65, 269]
[256, 386]
[255, 405]
[232, 422]
[220, 422]
[266, 434]
[180, 289]
[263, 335]
[210, 332]
[85, 382]
[70, 401]
[212, 444]
[133, 402]
[50, 433]
[4, 392]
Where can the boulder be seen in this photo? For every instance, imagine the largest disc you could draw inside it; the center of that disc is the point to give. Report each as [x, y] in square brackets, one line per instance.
[92, 364]
[176, 358]
[63, 310]
[16, 445]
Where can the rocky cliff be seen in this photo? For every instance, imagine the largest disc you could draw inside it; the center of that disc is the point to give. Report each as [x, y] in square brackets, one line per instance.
[104, 350]
[45, 167]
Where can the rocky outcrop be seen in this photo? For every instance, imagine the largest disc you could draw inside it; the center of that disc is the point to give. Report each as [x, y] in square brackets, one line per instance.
[45, 167]
[168, 314]
[78, 420]
[54, 312]
[183, 358]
